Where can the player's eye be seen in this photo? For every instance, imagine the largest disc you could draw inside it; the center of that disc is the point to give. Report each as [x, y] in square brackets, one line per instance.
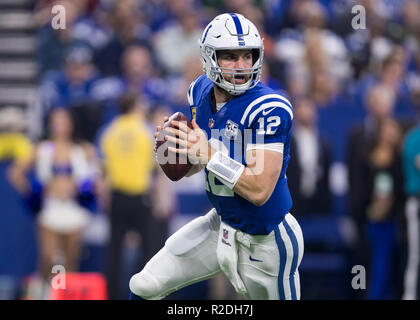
[248, 56]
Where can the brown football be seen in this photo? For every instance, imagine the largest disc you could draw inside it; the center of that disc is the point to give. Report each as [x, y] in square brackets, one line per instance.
[174, 165]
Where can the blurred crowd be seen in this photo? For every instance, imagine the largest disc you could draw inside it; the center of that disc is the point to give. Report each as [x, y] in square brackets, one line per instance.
[119, 67]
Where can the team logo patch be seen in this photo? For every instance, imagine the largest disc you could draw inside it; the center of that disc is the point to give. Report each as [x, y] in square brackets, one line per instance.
[231, 130]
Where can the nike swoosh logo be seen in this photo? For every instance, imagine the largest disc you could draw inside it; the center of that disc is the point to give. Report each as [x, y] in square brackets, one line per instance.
[252, 259]
[265, 112]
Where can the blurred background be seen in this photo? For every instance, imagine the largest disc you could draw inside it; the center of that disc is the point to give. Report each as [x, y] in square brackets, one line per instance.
[79, 106]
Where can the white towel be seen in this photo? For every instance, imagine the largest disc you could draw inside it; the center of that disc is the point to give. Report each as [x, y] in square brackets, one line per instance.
[227, 256]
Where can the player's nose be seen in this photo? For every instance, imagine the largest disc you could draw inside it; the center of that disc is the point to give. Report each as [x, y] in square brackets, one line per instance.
[240, 63]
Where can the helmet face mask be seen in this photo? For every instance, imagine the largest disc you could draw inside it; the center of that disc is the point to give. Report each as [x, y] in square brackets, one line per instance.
[231, 32]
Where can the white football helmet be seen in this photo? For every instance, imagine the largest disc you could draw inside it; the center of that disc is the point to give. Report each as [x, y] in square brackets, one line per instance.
[231, 31]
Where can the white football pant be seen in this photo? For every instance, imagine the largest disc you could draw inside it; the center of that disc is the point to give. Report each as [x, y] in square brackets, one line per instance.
[267, 265]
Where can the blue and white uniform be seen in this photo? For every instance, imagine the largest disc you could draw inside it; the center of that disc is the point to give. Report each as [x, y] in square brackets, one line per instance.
[268, 239]
[268, 117]
[258, 248]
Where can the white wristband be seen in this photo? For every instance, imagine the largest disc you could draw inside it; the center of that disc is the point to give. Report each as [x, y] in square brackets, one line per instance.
[225, 168]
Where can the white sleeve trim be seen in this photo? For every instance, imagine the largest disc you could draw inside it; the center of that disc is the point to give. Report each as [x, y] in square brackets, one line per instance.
[276, 146]
[274, 104]
[190, 96]
[260, 99]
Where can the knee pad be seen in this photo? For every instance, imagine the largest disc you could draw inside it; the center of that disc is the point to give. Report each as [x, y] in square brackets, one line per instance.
[144, 285]
[154, 282]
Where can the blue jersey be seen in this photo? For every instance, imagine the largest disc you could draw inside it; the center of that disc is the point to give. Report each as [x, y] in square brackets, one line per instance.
[260, 118]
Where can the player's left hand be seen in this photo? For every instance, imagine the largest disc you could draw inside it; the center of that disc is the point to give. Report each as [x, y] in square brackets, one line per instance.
[192, 142]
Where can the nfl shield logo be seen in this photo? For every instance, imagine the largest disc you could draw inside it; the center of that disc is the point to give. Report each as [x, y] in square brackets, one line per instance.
[211, 123]
[225, 233]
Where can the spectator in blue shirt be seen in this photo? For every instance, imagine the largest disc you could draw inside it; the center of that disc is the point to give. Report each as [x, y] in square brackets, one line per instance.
[78, 87]
[411, 164]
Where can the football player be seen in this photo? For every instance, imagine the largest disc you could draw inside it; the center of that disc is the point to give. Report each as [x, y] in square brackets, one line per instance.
[240, 137]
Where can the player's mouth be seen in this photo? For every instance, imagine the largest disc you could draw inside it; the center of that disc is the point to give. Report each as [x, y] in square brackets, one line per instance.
[239, 79]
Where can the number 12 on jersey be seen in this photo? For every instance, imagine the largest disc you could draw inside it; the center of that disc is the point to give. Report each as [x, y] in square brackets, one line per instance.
[272, 124]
